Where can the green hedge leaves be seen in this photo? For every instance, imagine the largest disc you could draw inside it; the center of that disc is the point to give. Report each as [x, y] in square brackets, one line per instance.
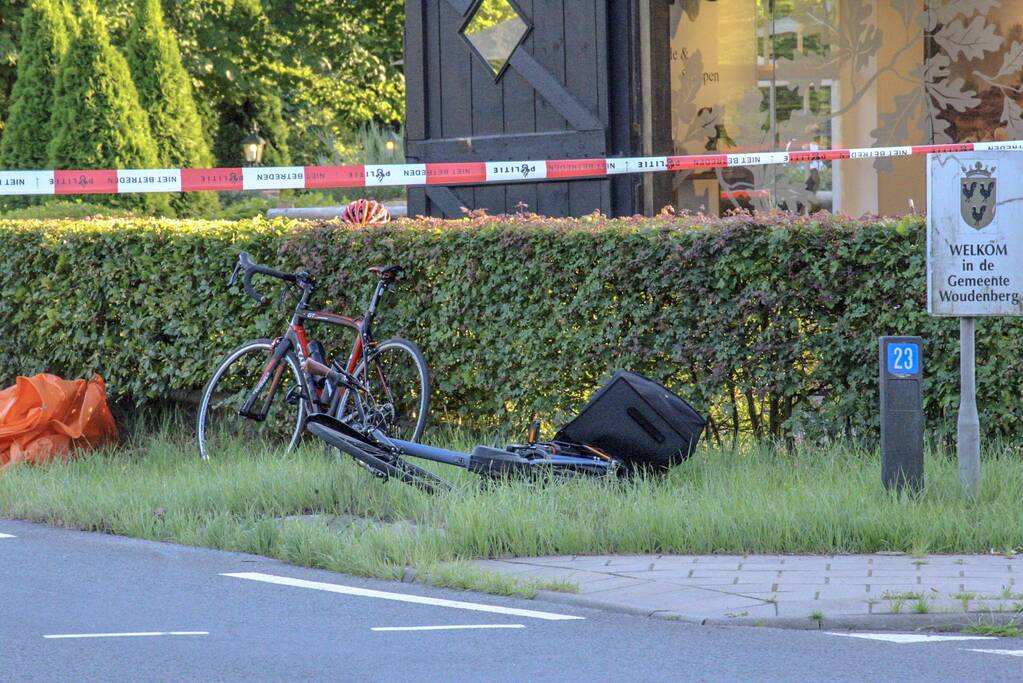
[767, 323]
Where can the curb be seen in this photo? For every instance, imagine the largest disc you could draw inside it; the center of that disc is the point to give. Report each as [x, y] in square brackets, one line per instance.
[859, 622]
[620, 608]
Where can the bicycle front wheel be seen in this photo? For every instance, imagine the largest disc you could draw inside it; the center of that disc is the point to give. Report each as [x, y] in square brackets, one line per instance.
[279, 408]
[396, 398]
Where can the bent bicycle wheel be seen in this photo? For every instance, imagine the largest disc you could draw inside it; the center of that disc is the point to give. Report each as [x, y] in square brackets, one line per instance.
[396, 398]
[274, 423]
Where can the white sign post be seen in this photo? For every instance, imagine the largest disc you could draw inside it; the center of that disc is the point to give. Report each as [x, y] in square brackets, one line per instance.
[974, 264]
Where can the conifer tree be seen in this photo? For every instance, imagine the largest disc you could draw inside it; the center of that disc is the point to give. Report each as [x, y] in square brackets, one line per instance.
[98, 122]
[165, 93]
[45, 31]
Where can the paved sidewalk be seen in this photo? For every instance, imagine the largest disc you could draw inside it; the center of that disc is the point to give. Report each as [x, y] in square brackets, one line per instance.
[796, 591]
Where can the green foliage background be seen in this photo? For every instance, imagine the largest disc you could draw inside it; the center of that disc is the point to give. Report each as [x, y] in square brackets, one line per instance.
[97, 119]
[46, 28]
[769, 323]
[165, 93]
[295, 69]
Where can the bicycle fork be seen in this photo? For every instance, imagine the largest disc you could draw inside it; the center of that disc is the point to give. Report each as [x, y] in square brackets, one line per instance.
[272, 374]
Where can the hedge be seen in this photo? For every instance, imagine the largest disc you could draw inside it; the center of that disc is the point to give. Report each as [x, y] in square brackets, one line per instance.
[767, 322]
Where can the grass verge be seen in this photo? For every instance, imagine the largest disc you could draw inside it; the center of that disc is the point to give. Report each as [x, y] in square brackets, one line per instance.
[758, 499]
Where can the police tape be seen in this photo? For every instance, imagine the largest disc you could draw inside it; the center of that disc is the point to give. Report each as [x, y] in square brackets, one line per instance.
[412, 175]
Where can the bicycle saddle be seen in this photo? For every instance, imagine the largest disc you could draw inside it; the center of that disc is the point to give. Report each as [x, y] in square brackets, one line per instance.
[385, 272]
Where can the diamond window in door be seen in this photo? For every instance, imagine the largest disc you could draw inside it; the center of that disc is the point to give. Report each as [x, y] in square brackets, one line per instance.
[494, 30]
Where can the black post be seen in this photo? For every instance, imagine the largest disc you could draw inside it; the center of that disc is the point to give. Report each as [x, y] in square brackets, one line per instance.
[902, 414]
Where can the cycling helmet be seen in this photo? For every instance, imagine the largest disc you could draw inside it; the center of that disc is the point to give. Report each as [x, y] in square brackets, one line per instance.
[365, 212]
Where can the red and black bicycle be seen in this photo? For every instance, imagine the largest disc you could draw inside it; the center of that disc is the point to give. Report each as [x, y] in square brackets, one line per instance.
[259, 395]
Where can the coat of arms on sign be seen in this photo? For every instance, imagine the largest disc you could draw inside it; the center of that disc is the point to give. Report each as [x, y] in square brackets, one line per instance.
[977, 196]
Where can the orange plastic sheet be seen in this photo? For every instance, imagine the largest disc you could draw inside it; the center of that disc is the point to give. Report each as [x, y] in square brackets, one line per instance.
[43, 417]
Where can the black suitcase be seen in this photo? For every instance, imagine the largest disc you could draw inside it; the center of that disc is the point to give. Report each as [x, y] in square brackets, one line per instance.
[638, 421]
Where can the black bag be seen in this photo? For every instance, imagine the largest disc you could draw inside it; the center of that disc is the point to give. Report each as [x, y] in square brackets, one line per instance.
[638, 421]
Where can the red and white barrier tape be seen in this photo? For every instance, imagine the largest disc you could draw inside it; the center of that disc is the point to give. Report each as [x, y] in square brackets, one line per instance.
[408, 175]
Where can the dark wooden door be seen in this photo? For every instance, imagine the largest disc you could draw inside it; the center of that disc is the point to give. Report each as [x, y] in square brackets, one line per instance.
[565, 93]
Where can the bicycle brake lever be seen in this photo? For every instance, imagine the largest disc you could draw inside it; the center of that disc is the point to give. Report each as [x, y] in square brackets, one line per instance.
[234, 275]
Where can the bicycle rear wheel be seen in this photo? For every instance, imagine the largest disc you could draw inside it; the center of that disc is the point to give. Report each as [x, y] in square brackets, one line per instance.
[220, 426]
[397, 396]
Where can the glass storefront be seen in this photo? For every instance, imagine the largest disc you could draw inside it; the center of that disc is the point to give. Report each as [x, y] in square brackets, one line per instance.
[776, 75]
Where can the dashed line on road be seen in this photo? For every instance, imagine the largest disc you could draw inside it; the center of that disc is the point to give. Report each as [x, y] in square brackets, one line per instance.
[139, 634]
[1010, 653]
[7, 536]
[399, 597]
[457, 627]
[903, 638]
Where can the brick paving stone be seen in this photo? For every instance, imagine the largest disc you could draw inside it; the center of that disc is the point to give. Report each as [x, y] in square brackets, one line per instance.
[673, 562]
[640, 590]
[502, 566]
[571, 575]
[747, 588]
[590, 562]
[716, 583]
[841, 593]
[973, 574]
[556, 560]
[986, 587]
[657, 574]
[608, 584]
[616, 560]
[879, 589]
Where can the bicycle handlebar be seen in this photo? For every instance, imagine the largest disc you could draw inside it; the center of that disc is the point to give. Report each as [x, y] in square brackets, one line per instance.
[250, 268]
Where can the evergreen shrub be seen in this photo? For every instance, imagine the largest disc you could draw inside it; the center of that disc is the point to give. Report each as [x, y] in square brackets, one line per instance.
[165, 93]
[98, 122]
[45, 30]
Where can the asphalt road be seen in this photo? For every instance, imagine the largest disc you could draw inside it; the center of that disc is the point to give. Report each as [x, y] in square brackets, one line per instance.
[284, 623]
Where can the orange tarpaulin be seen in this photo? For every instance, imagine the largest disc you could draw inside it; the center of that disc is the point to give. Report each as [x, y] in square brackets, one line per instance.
[42, 417]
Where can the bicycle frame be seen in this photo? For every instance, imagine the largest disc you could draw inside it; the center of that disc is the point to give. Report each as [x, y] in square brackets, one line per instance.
[373, 448]
[295, 338]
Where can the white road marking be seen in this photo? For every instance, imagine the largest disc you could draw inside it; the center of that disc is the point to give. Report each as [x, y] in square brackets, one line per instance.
[1011, 653]
[908, 637]
[141, 634]
[7, 536]
[399, 597]
[444, 628]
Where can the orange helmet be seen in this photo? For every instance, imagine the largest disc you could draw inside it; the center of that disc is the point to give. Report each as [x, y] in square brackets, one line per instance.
[365, 212]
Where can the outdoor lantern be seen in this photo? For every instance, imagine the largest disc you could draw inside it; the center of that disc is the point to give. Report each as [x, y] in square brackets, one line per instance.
[253, 145]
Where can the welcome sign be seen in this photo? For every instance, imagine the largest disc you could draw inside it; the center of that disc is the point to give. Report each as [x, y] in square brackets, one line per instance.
[975, 234]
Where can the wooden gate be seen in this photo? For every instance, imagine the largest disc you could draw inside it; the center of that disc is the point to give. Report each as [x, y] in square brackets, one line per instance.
[555, 82]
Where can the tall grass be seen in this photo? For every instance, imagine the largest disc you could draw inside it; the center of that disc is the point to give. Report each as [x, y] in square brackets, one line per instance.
[756, 499]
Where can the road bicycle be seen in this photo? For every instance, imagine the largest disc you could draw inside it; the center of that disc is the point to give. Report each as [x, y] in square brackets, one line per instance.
[388, 456]
[259, 395]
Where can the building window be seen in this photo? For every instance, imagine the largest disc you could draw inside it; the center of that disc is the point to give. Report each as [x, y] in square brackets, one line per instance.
[495, 29]
[775, 75]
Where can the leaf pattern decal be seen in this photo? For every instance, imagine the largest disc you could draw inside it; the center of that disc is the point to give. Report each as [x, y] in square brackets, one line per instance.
[1012, 62]
[1012, 117]
[971, 40]
[945, 12]
[952, 93]
[893, 126]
